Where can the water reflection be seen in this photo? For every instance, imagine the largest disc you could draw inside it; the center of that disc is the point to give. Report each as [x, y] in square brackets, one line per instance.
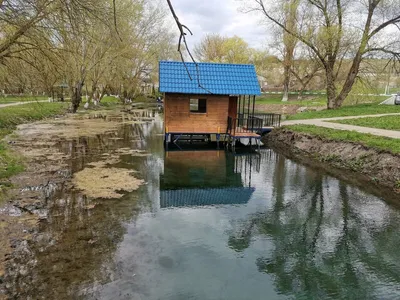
[212, 225]
[196, 178]
[330, 240]
[297, 233]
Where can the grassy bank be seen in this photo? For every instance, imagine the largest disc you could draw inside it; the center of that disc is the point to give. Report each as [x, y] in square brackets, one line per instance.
[387, 122]
[293, 100]
[12, 116]
[368, 140]
[109, 101]
[13, 99]
[345, 111]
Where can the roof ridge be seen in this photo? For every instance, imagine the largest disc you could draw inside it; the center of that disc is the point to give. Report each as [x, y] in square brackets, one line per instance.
[205, 63]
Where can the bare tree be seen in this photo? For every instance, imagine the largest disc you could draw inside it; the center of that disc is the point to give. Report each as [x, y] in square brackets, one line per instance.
[335, 30]
[289, 42]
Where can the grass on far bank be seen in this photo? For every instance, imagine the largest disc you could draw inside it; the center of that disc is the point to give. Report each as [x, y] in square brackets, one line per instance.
[368, 140]
[12, 116]
[317, 100]
[110, 99]
[346, 111]
[13, 99]
[387, 122]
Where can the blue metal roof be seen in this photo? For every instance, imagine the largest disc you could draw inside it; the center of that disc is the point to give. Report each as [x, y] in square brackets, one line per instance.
[219, 79]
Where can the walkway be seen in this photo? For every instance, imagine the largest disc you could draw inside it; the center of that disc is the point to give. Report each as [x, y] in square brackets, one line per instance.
[325, 122]
[20, 103]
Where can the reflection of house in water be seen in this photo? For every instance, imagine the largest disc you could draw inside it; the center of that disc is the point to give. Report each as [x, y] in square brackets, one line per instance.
[197, 178]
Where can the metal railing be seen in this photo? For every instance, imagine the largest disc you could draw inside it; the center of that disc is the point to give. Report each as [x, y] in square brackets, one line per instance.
[244, 125]
[269, 120]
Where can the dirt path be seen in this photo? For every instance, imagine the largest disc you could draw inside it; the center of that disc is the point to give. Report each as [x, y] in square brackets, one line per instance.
[325, 122]
[20, 103]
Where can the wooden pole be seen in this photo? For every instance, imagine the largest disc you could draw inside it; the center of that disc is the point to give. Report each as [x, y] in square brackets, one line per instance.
[248, 107]
[254, 103]
[238, 112]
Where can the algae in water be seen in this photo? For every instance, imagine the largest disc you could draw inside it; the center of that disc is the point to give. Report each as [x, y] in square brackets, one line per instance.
[106, 182]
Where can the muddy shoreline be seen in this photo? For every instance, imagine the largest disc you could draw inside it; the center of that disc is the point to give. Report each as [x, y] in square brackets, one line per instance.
[62, 155]
[378, 172]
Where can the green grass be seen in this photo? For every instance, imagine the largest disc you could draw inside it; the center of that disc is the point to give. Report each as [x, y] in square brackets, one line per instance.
[307, 101]
[368, 140]
[358, 99]
[10, 117]
[387, 122]
[13, 99]
[317, 100]
[345, 111]
[109, 99]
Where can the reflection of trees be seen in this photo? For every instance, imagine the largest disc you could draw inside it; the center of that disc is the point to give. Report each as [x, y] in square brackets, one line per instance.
[320, 251]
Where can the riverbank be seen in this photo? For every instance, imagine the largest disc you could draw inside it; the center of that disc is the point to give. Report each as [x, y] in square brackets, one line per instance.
[10, 117]
[75, 157]
[363, 164]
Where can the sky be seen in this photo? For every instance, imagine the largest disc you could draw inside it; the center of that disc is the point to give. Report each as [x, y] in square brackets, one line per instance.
[219, 16]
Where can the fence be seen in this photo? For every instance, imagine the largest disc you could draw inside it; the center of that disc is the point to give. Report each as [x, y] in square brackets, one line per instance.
[269, 120]
[242, 125]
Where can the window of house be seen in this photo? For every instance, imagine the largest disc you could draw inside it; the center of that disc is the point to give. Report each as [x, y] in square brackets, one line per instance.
[198, 105]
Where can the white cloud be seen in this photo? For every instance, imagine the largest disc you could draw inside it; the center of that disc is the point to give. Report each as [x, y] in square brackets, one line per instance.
[223, 17]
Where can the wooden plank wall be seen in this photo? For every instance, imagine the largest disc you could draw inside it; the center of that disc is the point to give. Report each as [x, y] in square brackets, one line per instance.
[179, 119]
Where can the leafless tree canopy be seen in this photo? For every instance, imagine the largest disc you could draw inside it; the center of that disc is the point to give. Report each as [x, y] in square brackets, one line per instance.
[338, 30]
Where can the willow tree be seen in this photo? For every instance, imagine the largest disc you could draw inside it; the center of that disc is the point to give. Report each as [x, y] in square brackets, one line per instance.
[339, 30]
[289, 42]
[217, 48]
[20, 22]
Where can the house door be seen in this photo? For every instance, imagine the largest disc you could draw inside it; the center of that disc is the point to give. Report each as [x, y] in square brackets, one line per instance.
[232, 109]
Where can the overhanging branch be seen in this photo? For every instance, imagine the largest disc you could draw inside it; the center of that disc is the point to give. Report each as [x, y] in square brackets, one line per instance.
[182, 38]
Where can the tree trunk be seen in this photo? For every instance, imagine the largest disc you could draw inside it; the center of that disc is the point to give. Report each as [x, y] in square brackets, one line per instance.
[351, 78]
[103, 92]
[301, 92]
[286, 83]
[331, 89]
[76, 96]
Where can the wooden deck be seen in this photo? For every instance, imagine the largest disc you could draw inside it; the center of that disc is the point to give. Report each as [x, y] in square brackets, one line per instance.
[240, 134]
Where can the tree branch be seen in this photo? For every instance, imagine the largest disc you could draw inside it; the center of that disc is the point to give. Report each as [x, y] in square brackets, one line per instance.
[182, 37]
[393, 21]
[299, 37]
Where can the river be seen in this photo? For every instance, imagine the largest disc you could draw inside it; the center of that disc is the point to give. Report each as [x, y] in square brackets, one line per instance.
[209, 224]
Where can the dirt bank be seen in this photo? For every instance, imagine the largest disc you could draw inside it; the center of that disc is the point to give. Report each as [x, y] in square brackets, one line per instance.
[370, 168]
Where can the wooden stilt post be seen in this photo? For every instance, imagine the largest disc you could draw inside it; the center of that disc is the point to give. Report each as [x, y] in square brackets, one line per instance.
[248, 107]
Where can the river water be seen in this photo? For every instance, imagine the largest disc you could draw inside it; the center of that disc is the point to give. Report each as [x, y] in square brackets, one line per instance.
[209, 224]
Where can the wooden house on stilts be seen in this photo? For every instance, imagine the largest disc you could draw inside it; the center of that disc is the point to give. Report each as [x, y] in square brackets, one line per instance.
[210, 101]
